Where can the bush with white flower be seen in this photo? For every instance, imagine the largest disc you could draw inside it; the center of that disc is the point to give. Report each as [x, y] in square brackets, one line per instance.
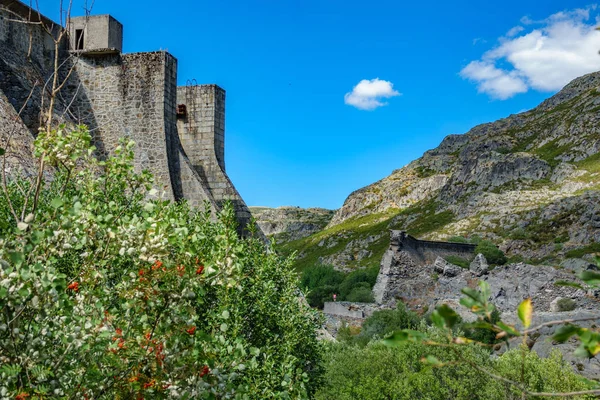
[108, 292]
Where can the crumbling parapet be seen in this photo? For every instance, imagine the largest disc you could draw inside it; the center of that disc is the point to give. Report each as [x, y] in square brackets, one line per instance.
[406, 254]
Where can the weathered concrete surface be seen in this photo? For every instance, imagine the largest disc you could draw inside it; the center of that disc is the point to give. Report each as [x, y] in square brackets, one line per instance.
[117, 95]
[427, 251]
[343, 309]
[406, 256]
[100, 33]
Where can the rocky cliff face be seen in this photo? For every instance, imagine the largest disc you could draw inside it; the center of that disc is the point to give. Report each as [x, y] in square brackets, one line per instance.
[291, 223]
[529, 182]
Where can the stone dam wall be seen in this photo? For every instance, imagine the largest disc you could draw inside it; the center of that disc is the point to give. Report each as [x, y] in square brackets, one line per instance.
[407, 254]
[133, 96]
[426, 251]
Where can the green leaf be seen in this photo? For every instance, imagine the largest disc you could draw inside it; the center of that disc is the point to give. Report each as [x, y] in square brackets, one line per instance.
[525, 311]
[471, 293]
[406, 335]
[56, 202]
[509, 329]
[564, 332]
[437, 319]
[479, 325]
[590, 277]
[2, 151]
[431, 360]
[448, 314]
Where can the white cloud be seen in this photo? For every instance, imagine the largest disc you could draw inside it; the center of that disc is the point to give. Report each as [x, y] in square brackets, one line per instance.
[369, 94]
[514, 31]
[561, 48]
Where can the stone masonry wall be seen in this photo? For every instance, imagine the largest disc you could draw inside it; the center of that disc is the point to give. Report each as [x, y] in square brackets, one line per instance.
[130, 96]
[202, 135]
[26, 59]
[426, 251]
[405, 256]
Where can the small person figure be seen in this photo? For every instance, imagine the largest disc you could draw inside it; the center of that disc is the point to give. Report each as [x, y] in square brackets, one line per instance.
[334, 297]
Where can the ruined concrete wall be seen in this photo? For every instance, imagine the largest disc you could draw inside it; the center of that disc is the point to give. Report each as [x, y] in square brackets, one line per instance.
[341, 313]
[99, 32]
[406, 258]
[202, 134]
[343, 309]
[426, 251]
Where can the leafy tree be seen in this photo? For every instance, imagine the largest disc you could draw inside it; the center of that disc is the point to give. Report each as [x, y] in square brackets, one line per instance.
[356, 279]
[382, 323]
[106, 291]
[322, 282]
[361, 294]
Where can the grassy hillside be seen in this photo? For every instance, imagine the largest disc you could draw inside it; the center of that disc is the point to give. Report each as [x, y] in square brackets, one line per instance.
[529, 182]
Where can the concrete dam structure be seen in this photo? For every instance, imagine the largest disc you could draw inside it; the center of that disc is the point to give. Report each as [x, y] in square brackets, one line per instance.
[179, 131]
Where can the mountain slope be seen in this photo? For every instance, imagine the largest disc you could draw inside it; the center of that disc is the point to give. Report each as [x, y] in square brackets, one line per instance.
[291, 223]
[529, 182]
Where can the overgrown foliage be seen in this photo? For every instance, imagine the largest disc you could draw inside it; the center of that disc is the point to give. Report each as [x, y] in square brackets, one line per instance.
[518, 381]
[381, 324]
[322, 282]
[377, 372]
[109, 292]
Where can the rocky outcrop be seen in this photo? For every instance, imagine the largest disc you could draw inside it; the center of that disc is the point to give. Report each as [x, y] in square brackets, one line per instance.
[529, 182]
[290, 223]
[425, 286]
[479, 265]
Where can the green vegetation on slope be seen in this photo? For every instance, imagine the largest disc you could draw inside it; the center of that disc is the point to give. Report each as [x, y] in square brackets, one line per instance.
[418, 220]
[320, 283]
[359, 366]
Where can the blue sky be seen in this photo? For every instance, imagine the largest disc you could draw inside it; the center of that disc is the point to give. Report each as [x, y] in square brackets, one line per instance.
[287, 66]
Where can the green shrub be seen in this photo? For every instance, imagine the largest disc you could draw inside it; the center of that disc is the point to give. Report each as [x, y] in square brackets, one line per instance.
[377, 372]
[320, 275]
[519, 234]
[482, 335]
[322, 282]
[112, 294]
[458, 239]
[459, 261]
[358, 279]
[492, 253]
[384, 322]
[361, 294]
[580, 252]
[566, 304]
[319, 295]
[550, 375]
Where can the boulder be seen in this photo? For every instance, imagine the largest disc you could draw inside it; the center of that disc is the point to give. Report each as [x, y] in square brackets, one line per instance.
[479, 265]
[554, 307]
[577, 265]
[445, 268]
